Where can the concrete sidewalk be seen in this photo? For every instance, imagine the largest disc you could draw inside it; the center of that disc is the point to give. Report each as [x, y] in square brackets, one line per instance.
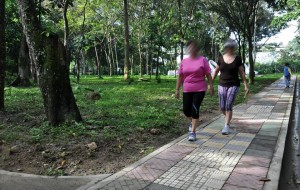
[249, 158]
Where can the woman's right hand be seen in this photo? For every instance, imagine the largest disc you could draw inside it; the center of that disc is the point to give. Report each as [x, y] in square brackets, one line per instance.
[177, 94]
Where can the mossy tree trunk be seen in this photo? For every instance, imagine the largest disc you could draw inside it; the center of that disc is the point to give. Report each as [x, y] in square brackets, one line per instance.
[126, 49]
[2, 53]
[23, 65]
[49, 59]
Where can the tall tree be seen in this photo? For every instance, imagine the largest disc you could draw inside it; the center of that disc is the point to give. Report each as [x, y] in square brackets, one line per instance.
[2, 52]
[49, 59]
[126, 28]
[240, 15]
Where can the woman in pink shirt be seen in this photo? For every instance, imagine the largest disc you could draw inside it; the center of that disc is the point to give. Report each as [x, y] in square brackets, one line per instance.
[192, 73]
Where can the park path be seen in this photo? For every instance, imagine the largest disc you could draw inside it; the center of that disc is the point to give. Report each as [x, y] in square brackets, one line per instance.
[243, 160]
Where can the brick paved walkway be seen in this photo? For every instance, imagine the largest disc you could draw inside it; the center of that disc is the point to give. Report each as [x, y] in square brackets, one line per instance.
[238, 161]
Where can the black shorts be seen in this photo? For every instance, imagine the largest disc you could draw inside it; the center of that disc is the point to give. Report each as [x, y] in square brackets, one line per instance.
[191, 103]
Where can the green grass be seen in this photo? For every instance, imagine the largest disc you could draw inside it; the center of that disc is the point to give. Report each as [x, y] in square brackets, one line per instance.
[122, 109]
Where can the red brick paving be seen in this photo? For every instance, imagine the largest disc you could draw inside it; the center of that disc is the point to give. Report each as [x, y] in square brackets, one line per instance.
[253, 160]
[144, 173]
[251, 170]
[233, 187]
[159, 164]
[246, 181]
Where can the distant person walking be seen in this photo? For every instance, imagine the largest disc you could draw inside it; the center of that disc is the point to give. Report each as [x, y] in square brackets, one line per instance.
[231, 66]
[192, 73]
[287, 75]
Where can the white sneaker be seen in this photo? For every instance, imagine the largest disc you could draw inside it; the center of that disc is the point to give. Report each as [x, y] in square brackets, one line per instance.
[226, 130]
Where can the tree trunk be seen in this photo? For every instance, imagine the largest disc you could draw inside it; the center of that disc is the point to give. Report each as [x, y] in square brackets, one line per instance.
[175, 64]
[49, 58]
[157, 63]
[132, 66]
[81, 42]
[108, 59]
[181, 34]
[66, 31]
[98, 62]
[251, 61]
[151, 64]
[83, 62]
[140, 57]
[147, 61]
[23, 65]
[116, 54]
[2, 53]
[78, 70]
[244, 49]
[33, 74]
[126, 27]
[111, 55]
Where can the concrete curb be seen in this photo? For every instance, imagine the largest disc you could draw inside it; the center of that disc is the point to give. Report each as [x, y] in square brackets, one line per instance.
[3, 172]
[276, 163]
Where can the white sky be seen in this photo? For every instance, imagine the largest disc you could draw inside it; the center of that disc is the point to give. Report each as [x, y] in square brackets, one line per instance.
[286, 35]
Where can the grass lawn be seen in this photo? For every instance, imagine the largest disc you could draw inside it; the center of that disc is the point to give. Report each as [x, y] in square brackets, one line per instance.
[120, 124]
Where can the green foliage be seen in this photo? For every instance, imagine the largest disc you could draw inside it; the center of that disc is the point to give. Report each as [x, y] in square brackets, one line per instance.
[46, 132]
[120, 113]
[290, 10]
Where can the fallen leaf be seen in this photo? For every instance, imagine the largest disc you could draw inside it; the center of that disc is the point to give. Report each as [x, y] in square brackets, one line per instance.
[63, 163]
[265, 179]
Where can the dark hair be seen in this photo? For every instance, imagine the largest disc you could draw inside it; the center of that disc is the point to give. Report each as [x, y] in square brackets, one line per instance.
[193, 42]
[287, 64]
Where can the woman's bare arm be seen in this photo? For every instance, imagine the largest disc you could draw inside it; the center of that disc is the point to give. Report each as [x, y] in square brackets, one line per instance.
[217, 70]
[243, 76]
[178, 85]
[211, 85]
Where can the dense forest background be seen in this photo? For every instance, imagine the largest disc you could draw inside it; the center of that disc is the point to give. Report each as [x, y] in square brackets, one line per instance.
[49, 40]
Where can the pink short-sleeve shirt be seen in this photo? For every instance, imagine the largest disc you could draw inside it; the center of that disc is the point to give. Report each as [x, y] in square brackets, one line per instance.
[193, 71]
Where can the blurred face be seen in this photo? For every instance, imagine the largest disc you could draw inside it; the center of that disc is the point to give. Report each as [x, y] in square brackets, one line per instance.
[193, 50]
[230, 49]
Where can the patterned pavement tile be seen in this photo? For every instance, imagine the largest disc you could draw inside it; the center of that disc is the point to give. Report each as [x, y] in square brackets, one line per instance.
[260, 108]
[269, 133]
[246, 181]
[233, 187]
[263, 145]
[204, 134]
[183, 177]
[264, 137]
[144, 173]
[155, 186]
[159, 164]
[246, 135]
[251, 170]
[180, 149]
[227, 168]
[215, 145]
[214, 183]
[239, 143]
[254, 160]
[242, 138]
[170, 155]
[259, 153]
[220, 175]
[125, 183]
[235, 148]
